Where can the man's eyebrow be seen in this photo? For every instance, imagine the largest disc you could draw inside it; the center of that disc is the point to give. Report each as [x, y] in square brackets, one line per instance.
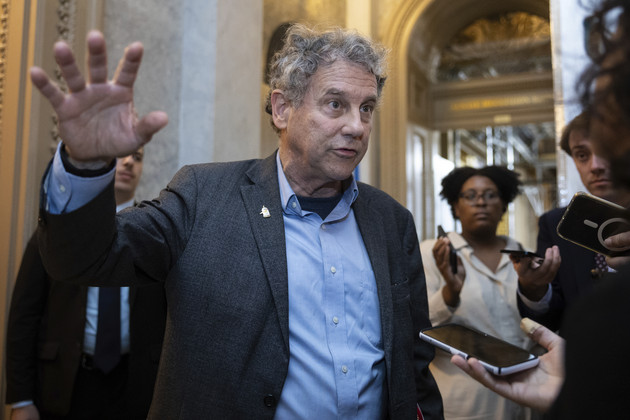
[339, 92]
[579, 147]
[335, 91]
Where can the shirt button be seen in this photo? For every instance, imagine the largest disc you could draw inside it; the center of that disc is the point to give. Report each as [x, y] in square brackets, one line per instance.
[333, 269]
[335, 320]
[294, 204]
[344, 369]
[62, 188]
[323, 227]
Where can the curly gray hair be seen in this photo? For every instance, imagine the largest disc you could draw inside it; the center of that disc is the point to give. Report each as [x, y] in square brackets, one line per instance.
[306, 49]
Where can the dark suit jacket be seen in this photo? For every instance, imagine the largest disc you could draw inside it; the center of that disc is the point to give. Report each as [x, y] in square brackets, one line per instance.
[574, 277]
[597, 381]
[45, 339]
[226, 349]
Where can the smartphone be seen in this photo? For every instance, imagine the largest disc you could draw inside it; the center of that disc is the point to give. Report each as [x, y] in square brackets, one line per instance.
[589, 220]
[497, 356]
[519, 253]
[452, 256]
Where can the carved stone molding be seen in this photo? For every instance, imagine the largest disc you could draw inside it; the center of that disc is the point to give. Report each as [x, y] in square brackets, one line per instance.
[4, 33]
[66, 14]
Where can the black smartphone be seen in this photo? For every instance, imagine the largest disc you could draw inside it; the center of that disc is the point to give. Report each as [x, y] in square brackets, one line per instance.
[452, 256]
[497, 356]
[520, 253]
[589, 220]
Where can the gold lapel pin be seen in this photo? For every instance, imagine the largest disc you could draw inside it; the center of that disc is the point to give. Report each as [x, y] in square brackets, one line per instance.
[265, 212]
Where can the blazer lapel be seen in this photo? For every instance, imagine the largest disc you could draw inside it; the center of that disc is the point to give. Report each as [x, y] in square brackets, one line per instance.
[374, 240]
[268, 230]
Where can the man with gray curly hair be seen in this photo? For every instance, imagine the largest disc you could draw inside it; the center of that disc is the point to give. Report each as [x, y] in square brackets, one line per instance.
[294, 291]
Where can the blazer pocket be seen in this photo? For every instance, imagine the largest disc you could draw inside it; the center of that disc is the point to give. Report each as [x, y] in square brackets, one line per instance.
[48, 351]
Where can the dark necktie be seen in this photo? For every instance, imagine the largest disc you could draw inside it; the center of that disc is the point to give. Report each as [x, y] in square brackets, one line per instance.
[600, 263]
[107, 350]
[600, 267]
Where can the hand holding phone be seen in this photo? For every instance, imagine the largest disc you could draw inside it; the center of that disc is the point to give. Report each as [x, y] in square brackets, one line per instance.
[588, 221]
[520, 253]
[535, 272]
[452, 256]
[497, 356]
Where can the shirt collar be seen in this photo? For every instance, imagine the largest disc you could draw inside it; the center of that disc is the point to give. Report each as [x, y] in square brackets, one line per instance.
[124, 205]
[290, 203]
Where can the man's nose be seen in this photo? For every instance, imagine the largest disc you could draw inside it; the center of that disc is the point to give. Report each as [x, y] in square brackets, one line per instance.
[354, 125]
[598, 163]
[127, 160]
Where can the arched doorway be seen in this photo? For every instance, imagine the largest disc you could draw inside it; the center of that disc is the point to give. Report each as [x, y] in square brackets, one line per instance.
[430, 111]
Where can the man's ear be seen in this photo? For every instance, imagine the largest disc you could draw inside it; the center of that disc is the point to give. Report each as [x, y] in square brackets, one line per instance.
[280, 108]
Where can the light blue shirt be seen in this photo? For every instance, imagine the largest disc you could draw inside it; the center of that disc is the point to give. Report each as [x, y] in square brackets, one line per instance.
[336, 364]
[66, 192]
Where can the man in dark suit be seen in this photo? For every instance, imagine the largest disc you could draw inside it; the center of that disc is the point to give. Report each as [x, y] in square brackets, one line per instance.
[52, 334]
[294, 291]
[545, 292]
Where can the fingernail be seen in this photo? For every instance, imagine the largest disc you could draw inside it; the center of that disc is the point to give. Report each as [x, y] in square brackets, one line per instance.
[529, 326]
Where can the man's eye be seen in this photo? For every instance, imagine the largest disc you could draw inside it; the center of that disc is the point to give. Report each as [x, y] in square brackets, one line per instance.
[335, 105]
[367, 108]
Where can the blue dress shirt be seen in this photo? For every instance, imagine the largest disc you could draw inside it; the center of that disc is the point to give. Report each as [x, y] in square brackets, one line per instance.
[337, 361]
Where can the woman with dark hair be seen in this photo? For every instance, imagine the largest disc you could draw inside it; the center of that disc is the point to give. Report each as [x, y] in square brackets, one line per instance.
[482, 292]
[591, 379]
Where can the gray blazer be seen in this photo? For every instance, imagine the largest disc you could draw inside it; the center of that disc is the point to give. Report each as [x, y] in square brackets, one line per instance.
[226, 345]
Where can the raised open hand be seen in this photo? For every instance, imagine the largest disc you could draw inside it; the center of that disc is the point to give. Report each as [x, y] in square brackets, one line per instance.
[97, 119]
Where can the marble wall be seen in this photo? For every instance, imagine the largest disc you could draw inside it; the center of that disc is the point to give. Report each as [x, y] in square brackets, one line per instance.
[202, 66]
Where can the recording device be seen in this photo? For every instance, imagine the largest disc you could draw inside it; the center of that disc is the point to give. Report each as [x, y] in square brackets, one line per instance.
[452, 255]
[589, 220]
[497, 356]
[520, 253]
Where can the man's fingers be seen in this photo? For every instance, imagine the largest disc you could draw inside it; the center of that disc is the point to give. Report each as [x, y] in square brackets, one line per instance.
[128, 66]
[617, 262]
[68, 66]
[620, 240]
[475, 369]
[41, 81]
[545, 337]
[97, 57]
[151, 124]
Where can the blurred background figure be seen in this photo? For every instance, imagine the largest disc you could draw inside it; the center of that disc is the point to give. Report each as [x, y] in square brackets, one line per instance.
[482, 294]
[544, 296]
[55, 366]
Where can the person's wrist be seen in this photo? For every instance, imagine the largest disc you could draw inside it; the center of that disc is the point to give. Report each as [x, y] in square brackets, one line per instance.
[84, 168]
[91, 165]
[451, 298]
[533, 292]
